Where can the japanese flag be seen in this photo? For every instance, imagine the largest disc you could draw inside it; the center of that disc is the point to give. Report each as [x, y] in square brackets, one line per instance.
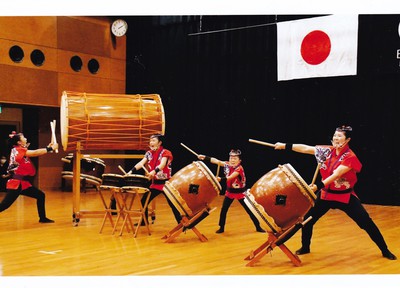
[317, 47]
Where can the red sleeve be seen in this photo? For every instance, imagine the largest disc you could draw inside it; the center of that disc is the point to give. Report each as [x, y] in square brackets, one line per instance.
[352, 161]
[168, 154]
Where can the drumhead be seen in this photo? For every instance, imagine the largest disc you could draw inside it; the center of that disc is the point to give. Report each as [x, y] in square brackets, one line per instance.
[299, 182]
[209, 175]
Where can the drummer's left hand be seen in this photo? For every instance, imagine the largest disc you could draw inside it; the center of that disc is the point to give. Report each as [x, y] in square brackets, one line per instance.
[151, 174]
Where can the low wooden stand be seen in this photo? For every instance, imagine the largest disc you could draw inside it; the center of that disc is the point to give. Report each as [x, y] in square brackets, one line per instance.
[189, 223]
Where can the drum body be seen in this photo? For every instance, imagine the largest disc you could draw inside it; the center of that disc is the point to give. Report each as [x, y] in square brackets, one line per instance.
[192, 188]
[92, 169]
[134, 181]
[280, 198]
[112, 181]
[110, 122]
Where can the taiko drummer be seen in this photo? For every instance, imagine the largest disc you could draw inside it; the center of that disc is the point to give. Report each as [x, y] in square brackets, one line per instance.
[236, 186]
[22, 170]
[339, 168]
[158, 162]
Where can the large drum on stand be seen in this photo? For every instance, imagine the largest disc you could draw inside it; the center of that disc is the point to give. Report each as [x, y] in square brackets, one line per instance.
[192, 188]
[280, 198]
[110, 121]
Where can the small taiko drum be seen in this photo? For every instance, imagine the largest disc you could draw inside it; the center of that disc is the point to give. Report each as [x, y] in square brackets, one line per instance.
[110, 121]
[92, 169]
[192, 188]
[134, 181]
[112, 181]
[280, 198]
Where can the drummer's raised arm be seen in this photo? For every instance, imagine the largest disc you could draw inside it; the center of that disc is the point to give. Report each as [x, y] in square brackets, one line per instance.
[210, 159]
[138, 165]
[300, 148]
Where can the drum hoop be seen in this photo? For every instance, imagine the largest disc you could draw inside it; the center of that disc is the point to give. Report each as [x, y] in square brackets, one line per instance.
[162, 116]
[136, 176]
[64, 120]
[97, 160]
[106, 187]
[209, 175]
[299, 182]
[260, 214]
[111, 174]
[174, 195]
[70, 175]
[98, 180]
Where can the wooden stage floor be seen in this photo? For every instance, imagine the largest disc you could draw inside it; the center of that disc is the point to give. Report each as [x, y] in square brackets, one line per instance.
[339, 249]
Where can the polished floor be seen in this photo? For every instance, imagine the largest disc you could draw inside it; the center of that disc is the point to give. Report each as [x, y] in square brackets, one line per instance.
[339, 250]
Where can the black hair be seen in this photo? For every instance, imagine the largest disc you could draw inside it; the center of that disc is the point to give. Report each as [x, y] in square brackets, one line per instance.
[236, 152]
[13, 139]
[160, 137]
[347, 130]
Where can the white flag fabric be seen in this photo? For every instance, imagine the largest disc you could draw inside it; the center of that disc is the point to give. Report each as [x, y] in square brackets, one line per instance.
[317, 47]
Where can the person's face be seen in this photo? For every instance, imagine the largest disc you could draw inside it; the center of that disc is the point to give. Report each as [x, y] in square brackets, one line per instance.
[339, 139]
[234, 160]
[154, 143]
[22, 140]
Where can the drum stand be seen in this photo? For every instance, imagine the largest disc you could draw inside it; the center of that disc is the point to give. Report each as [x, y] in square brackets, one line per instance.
[189, 222]
[77, 214]
[277, 240]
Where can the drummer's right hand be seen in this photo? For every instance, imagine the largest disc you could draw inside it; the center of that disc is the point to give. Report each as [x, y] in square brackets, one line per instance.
[313, 187]
[54, 146]
[201, 157]
[280, 146]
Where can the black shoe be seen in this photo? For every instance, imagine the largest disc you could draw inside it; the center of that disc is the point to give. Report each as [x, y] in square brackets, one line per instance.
[261, 230]
[220, 230]
[46, 220]
[389, 255]
[141, 224]
[302, 251]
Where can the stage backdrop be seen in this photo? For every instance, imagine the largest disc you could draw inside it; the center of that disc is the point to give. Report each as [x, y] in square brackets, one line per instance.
[220, 88]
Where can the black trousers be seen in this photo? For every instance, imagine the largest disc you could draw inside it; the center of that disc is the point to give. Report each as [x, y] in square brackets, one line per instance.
[354, 209]
[32, 192]
[225, 207]
[154, 194]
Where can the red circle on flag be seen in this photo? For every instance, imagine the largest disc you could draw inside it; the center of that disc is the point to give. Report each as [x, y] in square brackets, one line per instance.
[315, 47]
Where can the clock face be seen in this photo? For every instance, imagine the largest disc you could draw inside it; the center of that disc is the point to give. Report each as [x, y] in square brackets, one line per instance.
[119, 27]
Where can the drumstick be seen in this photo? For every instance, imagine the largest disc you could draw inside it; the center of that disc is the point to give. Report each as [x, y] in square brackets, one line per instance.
[122, 169]
[190, 150]
[145, 170]
[53, 133]
[316, 173]
[262, 143]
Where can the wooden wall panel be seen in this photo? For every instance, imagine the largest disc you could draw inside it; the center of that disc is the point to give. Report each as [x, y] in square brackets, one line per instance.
[84, 35]
[50, 62]
[64, 58]
[116, 51]
[34, 30]
[59, 38]
[82, 84]
[117, 69]
[28, 86]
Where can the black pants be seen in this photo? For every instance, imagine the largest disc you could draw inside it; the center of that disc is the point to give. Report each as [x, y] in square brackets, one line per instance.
[32, 192]
[224, 210]
[353, 209]
[154, 194]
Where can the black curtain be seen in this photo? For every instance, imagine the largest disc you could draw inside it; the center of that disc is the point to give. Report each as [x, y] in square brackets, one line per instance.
[220, 89]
